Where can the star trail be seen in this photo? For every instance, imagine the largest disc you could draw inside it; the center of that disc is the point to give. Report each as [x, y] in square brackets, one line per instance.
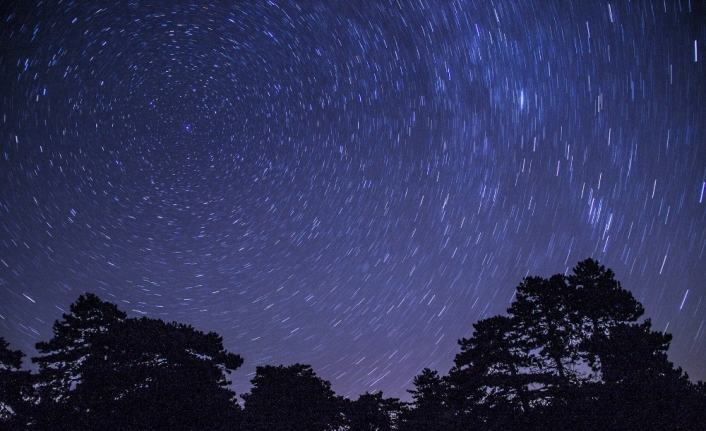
[349, 185]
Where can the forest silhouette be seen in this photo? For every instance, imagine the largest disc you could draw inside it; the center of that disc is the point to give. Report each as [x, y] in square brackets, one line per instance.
[573, 353]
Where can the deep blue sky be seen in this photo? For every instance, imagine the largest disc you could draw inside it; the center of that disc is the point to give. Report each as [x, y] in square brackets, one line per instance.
[349, 184]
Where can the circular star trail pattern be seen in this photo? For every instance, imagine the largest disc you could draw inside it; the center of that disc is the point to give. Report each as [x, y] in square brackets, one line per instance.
[349, 184]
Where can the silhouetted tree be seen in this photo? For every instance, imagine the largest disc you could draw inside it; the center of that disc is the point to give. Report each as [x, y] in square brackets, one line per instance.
[495, 366]
[642, 389]
[633, 353]
[599, 303]
[15, 388]
[102, 370]
[431, 409]
[600, 298]
[291, 398]
[570, 356]
[60, 367]
[541, 317]
[372, 412]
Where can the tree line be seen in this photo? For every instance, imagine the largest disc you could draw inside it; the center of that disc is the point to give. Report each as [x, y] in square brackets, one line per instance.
[572, 353]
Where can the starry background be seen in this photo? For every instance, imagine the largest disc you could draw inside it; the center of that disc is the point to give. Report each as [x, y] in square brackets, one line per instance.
[349, 184]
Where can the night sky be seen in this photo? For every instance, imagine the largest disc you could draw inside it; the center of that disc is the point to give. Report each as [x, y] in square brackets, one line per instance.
[352, 184]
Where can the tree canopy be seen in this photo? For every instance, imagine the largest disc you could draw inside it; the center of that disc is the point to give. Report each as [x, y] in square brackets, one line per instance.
[373, 412]
[291, 398]
[569, 343]
[573, 352]
[15, 386]
[104, 369]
